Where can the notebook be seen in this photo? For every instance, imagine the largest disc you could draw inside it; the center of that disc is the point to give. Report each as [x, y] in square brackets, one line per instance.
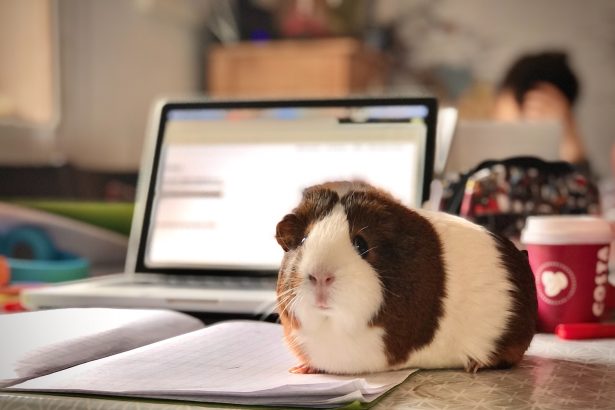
[476, 141]
[217, 176]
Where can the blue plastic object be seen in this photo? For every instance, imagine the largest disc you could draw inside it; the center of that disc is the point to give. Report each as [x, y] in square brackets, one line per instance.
[32, 257]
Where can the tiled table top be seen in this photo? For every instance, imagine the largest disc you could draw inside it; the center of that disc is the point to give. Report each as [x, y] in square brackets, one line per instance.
[555, 374]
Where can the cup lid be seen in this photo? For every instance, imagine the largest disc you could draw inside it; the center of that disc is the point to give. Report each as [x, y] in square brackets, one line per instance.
[566, 229]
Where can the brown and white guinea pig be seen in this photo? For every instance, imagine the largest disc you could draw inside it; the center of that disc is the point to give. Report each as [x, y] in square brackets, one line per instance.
[367, 284]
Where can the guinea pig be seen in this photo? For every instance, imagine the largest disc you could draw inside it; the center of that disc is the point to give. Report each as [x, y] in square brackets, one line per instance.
[367, 284]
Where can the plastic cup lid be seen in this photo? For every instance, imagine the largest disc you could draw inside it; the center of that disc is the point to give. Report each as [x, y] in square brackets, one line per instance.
[566, 229]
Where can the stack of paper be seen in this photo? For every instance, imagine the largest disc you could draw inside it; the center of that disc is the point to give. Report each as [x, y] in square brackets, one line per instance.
[240, 362]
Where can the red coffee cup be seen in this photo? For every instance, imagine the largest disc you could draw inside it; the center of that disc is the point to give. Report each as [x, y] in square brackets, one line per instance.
[569, 257]
[610, 297]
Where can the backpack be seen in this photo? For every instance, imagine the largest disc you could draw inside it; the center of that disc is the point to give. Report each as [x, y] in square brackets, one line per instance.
[500, 195]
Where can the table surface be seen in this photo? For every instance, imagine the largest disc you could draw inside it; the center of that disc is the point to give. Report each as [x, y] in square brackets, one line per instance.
[554, 374]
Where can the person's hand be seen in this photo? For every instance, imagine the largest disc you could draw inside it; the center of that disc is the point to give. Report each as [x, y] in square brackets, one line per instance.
[547, 102]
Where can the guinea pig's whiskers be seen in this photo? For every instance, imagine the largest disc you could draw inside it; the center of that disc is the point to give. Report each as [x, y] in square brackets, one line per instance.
[269, 310]
[281, 300]
[390, 292]
[362, 229]
[277, 303]
[386, 290]
[369, 250]
[282, 305]
[285, 300]
[395, 279]
[294, 303]
[285, 293]
[284, 311]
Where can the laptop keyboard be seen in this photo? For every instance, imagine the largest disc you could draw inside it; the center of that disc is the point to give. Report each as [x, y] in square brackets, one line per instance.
[209, 282]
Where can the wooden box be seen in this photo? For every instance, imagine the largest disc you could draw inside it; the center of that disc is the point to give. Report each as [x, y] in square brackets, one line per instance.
[295, 68]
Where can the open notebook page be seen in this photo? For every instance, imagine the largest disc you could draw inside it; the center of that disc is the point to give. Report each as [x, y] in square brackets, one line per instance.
[233, 362]
[38, 343]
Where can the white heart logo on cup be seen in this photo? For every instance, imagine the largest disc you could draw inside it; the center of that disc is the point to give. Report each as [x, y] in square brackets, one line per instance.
[554, 282]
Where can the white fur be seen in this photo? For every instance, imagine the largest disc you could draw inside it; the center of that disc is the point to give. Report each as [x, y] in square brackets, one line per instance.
[477, 305]
[339, 339]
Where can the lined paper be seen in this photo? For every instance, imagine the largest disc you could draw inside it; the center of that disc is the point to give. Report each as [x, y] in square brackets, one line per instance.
[242, 362]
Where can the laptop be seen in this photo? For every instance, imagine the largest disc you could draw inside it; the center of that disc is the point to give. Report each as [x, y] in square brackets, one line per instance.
[217, 176]
[476, 141]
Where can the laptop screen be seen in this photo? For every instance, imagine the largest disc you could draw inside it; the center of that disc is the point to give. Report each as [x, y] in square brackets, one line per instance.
[224, 175]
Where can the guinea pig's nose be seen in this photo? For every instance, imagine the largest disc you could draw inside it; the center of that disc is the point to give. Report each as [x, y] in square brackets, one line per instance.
[321, 278]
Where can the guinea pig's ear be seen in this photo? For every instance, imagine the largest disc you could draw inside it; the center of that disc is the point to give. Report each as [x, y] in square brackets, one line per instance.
[289, 232]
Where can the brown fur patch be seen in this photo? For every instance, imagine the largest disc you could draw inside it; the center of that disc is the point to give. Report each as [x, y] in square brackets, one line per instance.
[317, 202]
[407, 255]
[521, 328]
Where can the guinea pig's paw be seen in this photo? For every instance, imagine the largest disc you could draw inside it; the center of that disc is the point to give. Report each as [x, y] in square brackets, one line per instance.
[304, 368]
[472, 366]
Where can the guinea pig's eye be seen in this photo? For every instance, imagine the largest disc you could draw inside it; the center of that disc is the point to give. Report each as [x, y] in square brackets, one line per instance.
[360, 244]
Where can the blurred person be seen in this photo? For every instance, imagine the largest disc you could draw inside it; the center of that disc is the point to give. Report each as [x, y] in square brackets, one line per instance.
[543, 86]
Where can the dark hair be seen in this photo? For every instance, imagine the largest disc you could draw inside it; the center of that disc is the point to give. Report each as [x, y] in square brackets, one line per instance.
[549, 67]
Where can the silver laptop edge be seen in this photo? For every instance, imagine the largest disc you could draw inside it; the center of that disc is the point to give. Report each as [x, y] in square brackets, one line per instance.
[143, 183]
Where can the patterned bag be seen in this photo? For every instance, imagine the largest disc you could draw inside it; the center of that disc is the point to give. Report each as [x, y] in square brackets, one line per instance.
[500, 195]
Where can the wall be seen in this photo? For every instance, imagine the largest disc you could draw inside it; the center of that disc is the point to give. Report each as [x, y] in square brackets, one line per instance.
[117, 57]
[26, 75]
